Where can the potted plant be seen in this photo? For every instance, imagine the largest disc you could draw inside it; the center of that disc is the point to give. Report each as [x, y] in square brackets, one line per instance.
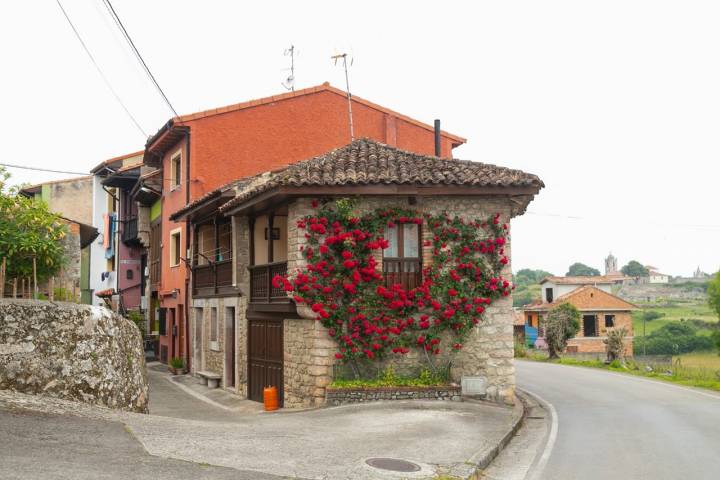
[177, 366]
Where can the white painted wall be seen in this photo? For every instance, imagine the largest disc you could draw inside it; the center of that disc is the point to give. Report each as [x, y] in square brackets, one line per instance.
[559, 290]
[98, 263]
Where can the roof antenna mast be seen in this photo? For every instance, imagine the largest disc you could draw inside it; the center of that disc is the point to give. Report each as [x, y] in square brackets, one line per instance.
[344, 57]
[289, 82]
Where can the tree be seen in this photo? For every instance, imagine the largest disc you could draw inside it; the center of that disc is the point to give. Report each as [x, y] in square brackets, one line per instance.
[28, 230]
[580, 269]
[634, 269]
[527, 276]
[713, 292]
[615, 344]
[561, 324]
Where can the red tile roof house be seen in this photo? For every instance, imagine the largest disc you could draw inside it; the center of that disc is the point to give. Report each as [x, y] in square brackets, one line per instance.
[200, 152]
[600, 311]
[253, 334]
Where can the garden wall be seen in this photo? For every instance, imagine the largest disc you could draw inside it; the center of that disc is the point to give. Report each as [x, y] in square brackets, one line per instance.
[343, 396]
[71, 351]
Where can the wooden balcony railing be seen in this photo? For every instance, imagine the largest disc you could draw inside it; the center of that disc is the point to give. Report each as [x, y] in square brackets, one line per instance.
[404, 271]
[261, 287]
[209, 279]
[130, 230]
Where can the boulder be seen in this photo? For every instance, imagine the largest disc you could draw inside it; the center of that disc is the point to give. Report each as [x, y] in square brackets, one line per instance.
[71, 351]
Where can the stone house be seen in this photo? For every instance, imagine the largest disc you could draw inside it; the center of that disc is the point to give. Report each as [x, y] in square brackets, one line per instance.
[600, 311]
[198, 153]
[254, 335]
[70, 199]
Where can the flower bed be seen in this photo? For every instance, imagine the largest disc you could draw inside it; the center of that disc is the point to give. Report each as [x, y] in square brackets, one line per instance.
[343, 395]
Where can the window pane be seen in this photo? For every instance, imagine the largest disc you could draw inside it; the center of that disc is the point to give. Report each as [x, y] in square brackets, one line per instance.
[225, 241]
[391, 235]
[410, 240]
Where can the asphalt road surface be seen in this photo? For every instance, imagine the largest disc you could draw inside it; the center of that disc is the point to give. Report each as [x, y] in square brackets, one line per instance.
[612, 425]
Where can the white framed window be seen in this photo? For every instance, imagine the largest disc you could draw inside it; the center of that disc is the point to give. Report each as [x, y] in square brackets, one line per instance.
[175, 170]
[175, 247]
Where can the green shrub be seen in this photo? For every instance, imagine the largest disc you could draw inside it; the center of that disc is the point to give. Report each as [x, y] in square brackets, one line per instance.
[177, 363]
[651, 315]
[520, 349]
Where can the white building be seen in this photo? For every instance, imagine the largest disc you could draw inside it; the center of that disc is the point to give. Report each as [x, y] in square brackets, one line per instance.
[553, 287]
[656, 277]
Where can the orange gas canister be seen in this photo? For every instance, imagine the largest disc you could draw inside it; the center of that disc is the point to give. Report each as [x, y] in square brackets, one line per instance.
[270, 398]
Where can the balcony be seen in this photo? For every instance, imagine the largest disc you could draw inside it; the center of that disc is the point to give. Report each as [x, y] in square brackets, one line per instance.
[130, 231]
[213, 278]
[262, 290]
[403, 271]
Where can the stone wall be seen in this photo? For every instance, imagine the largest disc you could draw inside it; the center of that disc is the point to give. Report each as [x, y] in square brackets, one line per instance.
[209, 355]
[343, 396]
[487, 352]
[72, 351]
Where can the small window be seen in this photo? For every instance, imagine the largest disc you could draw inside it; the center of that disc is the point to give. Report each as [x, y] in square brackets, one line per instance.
[129, 274]
[162, 322]
[175, 248]
[549, 295]
[175, 171]
[402, 263]
[213, 325]
[609, 321]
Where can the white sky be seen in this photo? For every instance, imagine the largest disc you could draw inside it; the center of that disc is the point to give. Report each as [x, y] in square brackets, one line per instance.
[614, 104]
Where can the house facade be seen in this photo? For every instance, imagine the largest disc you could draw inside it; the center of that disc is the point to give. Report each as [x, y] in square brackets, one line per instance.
[104, 258]
[71, 200]
[554, 287]
[253, 334]
[199, 153]
[600, 311]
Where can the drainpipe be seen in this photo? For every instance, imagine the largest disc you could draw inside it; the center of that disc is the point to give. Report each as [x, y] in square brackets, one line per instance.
[437, 137]
[188, 284]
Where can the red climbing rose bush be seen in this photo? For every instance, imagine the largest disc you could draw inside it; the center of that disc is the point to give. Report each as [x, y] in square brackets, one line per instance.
[343, 284]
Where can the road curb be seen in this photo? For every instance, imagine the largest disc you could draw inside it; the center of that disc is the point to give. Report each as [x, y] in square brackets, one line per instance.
[483, 458]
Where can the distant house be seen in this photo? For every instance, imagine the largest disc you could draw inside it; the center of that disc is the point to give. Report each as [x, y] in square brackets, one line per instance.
[656, 277]
[553, 287]
[600, 310]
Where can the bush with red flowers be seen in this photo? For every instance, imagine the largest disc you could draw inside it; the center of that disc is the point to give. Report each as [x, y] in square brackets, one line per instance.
[343, 284]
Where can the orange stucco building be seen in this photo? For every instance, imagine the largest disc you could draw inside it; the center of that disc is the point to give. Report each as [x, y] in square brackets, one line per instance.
[200, 152]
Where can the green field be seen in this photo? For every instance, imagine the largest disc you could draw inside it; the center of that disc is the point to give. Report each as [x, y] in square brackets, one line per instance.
[675, 313]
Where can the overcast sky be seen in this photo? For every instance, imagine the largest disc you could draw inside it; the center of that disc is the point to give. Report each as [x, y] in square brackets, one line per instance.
[614, 104]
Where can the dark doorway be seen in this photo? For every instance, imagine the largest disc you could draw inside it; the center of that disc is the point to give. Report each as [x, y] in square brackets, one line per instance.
[229, 347]
[589, 326]
[265, 357]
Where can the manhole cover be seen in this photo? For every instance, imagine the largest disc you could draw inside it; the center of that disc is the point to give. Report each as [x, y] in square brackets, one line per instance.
[393, 464]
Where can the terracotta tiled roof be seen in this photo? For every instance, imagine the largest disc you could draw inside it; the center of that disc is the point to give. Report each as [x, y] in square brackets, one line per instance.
[234, 185]
[586, 298]
[367, 162]
[582, 280]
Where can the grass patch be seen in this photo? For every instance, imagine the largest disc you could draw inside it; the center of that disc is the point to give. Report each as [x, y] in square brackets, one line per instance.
[675, 313]
[693, 370]
[388, 378]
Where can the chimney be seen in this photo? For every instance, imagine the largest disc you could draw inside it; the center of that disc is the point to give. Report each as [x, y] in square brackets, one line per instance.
[437, 137]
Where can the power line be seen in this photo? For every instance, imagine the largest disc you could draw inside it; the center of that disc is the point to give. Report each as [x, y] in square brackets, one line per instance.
[120, 25]
[97, 67]
[41, 169]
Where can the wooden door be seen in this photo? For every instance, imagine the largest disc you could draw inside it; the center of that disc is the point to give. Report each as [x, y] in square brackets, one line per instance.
[265, 357]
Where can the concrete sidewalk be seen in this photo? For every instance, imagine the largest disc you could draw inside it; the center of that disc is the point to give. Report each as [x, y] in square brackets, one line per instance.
[439, 438]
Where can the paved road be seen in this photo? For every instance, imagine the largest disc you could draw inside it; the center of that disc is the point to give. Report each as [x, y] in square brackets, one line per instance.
[37, 445]
[619, 426]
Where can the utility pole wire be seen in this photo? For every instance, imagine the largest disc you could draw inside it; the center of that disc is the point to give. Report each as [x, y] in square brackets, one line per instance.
[120, 25]
[99, 70]
[40, 169]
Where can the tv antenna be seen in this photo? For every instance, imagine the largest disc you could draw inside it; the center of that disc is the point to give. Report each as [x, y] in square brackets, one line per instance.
[344, 58]
[289, 82]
